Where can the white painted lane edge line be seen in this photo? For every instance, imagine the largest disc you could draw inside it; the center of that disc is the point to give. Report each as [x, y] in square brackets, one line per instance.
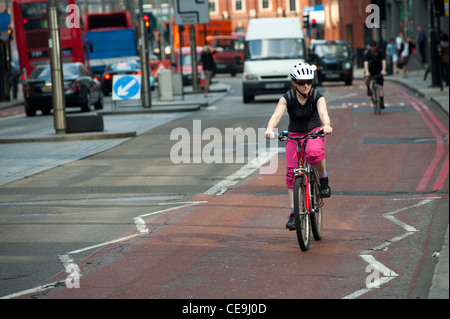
[245, 171]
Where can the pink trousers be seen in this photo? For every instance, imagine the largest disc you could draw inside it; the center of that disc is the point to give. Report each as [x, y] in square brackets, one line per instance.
[314, 152]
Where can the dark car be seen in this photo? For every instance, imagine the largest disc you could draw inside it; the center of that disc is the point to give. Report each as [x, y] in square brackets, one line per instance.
[81, 89]
[334, 61]
[129, 66]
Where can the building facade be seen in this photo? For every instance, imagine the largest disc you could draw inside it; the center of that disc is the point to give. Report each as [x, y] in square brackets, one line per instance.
[355, 21]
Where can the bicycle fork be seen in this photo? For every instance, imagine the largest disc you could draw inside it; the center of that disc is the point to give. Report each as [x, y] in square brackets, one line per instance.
[310, 200]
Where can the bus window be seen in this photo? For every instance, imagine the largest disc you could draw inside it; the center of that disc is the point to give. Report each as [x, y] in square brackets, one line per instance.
[31, 32]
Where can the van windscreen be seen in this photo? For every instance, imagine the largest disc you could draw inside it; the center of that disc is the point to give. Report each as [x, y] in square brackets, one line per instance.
[269, 49]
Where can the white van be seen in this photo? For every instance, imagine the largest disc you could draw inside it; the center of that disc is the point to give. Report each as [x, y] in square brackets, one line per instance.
[272, 47]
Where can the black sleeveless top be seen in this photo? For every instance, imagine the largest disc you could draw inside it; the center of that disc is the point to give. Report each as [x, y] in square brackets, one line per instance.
[303, 118]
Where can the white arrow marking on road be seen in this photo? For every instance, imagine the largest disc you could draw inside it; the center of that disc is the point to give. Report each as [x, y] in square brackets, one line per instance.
[123, 90]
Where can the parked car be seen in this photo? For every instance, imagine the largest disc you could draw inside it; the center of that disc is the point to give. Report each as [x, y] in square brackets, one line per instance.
[81, 89]
[128, 66]
[334, 61]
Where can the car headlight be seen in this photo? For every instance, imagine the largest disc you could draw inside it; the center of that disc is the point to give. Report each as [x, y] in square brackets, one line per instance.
[251, 77]
[346, 65]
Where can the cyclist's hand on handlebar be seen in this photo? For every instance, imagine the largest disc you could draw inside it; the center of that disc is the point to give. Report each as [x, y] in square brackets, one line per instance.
[270, 134]
[327, 129]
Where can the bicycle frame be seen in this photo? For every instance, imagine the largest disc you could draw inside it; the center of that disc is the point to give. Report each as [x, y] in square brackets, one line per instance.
[302, 171]
[311, 212]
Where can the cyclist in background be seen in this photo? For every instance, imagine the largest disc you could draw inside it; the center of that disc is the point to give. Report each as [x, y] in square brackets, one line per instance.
[307, 110]
[375, 64]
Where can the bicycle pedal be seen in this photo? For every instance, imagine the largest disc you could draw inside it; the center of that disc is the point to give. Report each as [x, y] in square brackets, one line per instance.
[290, 227]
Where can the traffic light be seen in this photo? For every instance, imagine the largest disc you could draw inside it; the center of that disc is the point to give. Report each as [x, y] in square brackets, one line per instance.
[306, 21]
[10, 32]
[147, 20]
[314, 23]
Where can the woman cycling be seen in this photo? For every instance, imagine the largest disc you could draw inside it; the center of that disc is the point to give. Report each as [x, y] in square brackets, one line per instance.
[307, 112]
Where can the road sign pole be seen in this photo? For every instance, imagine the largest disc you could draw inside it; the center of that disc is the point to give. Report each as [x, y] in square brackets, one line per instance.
[193, 41]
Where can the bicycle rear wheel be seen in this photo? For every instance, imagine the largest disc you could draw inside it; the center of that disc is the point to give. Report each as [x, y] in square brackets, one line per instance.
[316, 208]
[301, 216]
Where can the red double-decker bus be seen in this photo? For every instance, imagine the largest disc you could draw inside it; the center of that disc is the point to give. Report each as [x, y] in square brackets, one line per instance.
[32, 36]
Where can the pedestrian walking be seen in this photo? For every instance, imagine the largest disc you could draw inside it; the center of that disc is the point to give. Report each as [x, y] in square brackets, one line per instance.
[403, 52]
[209, 66]
[421, 42]
[392, 53]
[13, 79]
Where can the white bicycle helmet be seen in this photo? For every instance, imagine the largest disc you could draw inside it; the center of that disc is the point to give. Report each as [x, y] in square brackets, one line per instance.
[302, 71]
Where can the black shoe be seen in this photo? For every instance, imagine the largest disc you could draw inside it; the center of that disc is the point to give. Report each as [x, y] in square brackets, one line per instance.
[382, 104]
[291, 222]
[325, 190]
[369, 92]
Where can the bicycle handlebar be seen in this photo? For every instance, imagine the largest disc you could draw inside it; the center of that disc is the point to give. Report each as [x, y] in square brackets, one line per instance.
[376, 76]
[283, 136]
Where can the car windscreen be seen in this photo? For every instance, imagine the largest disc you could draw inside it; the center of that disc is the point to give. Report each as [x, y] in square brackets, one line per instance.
[269, 49]
[187, 59]
[123, 66]
[332, 51]
[43, 72]
[227, 45]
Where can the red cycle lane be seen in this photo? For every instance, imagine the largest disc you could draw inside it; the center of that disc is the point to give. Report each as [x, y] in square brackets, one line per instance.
[235, 245]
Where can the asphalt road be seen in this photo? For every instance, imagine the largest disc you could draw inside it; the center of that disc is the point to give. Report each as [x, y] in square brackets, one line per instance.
[388, 210]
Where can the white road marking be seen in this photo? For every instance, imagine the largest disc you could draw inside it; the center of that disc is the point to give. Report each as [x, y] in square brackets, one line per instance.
[388, 274]
[244, 172]
[67, 259]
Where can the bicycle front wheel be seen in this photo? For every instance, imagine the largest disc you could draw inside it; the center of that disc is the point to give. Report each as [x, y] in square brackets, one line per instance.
[376, 100]
[316, 208]
[301, 216]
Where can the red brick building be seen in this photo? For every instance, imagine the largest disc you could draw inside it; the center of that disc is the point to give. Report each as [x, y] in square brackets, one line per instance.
[343, 19]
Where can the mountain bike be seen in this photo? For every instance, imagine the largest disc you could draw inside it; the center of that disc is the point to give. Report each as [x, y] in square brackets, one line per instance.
[307, 201]
[376, 94]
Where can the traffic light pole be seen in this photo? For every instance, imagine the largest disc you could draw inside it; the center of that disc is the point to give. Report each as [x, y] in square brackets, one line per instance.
[144, 55]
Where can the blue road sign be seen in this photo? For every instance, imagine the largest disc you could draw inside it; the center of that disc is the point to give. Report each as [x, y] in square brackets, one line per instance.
[126, 87]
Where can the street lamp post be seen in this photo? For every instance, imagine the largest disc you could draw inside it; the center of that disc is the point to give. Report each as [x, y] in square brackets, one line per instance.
[436, 78]
[54, 44]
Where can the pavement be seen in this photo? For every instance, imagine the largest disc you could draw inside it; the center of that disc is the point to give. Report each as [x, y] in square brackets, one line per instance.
[40, 129]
